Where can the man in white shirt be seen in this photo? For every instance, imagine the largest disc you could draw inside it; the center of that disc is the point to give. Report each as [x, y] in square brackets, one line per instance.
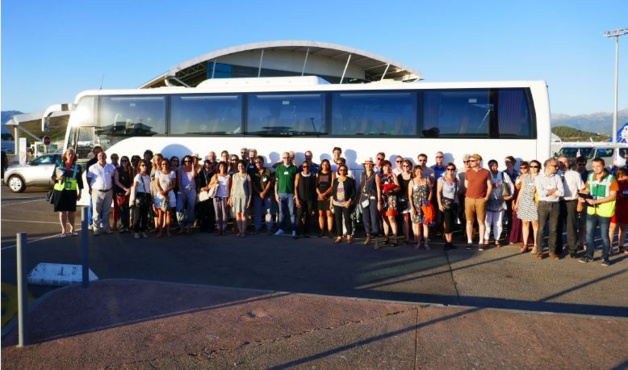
[100, 181]
[572, 183]
[549, 187]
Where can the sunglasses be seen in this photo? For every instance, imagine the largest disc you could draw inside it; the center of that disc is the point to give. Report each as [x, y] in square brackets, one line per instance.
[451, 169]
[534, 166]
[124, 160]
[398, 161]
[405, 165]
[465, 161]
[305, 166]
[380, 158]
[439, 156]
[472, 160]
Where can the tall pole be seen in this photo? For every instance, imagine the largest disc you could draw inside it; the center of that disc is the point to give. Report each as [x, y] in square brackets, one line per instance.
[616, 34]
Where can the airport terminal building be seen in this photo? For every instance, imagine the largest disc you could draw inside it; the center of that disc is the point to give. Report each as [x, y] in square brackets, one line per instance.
[336, 64]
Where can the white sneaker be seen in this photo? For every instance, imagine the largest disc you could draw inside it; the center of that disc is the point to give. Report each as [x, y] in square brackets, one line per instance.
[279, 232]
[294, 234]
[136, 236]
[96, 231]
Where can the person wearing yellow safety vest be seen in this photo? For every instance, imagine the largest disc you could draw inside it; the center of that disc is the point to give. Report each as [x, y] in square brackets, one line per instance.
[600, 194]
[67, 178]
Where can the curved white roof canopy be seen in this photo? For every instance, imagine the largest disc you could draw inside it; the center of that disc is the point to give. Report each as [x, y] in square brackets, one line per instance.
[336, 63]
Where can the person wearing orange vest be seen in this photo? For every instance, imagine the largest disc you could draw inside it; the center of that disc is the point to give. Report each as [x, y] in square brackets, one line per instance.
[601, 188]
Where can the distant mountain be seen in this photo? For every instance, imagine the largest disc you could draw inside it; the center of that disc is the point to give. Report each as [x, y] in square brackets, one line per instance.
[600, 123]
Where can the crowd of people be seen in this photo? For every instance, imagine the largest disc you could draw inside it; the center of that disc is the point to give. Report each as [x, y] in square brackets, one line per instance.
[241, 195]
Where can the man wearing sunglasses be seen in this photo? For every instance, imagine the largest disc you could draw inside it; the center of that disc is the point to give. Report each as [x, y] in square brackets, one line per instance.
[549, 187]
[478, 189]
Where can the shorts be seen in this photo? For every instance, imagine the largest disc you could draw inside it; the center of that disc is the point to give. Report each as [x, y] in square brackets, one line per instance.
[171, 203]
[475, 208]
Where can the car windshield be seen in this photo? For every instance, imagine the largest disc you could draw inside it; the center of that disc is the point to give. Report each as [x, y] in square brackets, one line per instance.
[44, 159]
[572, 152]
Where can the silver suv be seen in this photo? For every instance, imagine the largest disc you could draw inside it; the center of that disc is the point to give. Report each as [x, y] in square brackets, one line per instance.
[37, 172]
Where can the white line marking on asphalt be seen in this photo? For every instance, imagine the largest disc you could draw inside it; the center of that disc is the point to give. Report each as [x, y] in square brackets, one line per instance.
[30, 222]
[6, 203]
[35, 240]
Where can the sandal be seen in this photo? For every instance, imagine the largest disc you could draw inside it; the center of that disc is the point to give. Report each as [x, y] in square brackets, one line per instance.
[338, 239]
[62, 235]
[523, 248]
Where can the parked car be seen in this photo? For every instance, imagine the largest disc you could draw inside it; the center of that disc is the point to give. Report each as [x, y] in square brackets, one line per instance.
[37, 172]
[614, 155]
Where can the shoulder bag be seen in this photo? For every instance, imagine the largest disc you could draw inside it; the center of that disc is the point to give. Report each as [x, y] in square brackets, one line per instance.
[143, 199]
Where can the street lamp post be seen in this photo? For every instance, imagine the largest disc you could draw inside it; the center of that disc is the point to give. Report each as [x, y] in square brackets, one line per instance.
[616, 34]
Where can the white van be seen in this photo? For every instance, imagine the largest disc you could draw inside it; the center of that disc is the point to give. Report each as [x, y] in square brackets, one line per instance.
[614, 155]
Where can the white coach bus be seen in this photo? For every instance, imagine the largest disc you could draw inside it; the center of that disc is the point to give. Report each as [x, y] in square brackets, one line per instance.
[277, 114]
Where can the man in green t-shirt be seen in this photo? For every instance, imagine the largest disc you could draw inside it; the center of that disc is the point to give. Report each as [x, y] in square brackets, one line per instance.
[284, 193]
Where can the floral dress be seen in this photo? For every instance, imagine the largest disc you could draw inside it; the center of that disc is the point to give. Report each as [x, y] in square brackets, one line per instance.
[527, 208]
[420, 196]
[389, 201]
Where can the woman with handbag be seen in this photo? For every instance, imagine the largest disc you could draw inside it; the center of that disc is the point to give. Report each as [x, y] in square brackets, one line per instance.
[343, 192]
[204, 205]
[141, 199]
[240, 197]
[503, 188]
[222, 182]
[447, 190]
[403, 204]
[390, 187]
[324, 178]
[526, 206]
[370, 194]
[123, 179]
[186, 202]
[67, 175]
[165, 199]
[419, 194]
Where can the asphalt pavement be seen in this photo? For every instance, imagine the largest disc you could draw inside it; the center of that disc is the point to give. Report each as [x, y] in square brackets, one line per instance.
[204, 301]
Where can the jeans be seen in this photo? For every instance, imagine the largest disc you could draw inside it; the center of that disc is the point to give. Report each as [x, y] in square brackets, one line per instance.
[263, 209]
[188, 205]
[370, 217]
[220, 210]
[592, 222]
[286, 208]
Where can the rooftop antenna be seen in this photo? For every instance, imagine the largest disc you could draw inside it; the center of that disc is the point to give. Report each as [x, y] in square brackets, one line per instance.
[102, 79]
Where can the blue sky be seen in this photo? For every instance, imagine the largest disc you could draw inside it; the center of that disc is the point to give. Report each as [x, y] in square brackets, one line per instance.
[52, 50]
